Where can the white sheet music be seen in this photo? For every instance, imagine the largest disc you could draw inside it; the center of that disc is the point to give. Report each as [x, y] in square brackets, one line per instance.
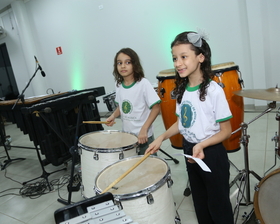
[197, 160]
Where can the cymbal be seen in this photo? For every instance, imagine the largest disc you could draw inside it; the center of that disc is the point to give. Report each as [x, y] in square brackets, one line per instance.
[271, 94]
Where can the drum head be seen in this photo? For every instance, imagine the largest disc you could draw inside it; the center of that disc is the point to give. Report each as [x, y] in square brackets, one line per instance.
[108, 140]
[228, 66]
[166, 74]
[267, 199]
[151, 174]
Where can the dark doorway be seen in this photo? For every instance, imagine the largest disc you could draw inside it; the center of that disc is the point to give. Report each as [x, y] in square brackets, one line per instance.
[8, 85]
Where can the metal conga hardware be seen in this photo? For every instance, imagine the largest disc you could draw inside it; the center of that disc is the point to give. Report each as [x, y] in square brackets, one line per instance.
[162, 91]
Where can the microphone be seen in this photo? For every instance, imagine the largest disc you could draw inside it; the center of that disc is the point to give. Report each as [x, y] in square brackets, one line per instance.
[42, 72]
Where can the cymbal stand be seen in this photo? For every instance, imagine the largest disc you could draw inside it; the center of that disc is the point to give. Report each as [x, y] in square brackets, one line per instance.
[276, 139]
[243, 175]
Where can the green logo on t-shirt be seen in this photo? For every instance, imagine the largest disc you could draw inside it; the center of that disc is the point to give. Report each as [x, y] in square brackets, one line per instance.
[126, 107]
[186, 115]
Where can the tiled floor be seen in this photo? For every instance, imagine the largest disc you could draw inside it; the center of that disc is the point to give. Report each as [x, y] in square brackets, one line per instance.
[15, 209]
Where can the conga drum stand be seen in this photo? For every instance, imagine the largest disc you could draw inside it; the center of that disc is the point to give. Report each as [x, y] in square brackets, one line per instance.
[243, 175]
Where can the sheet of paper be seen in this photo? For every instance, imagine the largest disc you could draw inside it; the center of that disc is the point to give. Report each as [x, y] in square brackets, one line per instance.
[197, 160]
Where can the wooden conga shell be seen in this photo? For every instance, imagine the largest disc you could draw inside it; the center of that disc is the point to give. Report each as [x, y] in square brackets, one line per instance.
[226, 75]
[166, 84]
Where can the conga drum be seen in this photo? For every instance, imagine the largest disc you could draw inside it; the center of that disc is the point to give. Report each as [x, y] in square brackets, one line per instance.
[227, 76]
[145, 194]
[166, 85]
[267, 199]
[100, 149]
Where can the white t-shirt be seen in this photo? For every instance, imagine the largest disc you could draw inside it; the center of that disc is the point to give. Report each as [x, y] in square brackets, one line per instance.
[199, 120]
[135, 103]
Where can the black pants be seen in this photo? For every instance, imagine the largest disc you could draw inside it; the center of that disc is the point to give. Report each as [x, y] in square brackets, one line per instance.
[210, 190]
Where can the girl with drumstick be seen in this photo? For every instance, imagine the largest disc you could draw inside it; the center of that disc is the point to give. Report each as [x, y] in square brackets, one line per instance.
[138, 102]
[204, 121]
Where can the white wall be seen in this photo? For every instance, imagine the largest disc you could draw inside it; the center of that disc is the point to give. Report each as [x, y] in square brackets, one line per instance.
[245, 32]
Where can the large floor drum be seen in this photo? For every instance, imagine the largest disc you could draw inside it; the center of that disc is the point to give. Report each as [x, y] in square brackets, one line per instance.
[145, 193]
[99, 150]
[267, 199]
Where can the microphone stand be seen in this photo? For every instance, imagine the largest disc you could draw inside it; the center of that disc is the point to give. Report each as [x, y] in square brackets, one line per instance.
[21, 96]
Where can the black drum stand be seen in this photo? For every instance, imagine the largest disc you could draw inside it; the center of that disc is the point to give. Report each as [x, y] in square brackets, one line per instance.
[170, 157]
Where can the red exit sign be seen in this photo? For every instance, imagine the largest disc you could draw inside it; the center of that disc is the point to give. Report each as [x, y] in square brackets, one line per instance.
[59, 50]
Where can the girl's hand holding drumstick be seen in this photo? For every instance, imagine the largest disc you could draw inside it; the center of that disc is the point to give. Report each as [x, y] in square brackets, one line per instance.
[111, 119]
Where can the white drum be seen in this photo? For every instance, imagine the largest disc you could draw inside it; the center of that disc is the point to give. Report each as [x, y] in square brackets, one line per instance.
[145, 193]
[267, 199]
[99, 150]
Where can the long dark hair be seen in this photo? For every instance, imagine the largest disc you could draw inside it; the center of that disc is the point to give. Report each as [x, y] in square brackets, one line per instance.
[205, 66]
[137, 67]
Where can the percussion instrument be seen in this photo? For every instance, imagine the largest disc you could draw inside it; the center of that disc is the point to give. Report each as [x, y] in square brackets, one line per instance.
[226, 75]
[267, 199]
[50, 120]
[145, 194]
[166, 84]
[95, 210]
[271, 94]
[99, 150]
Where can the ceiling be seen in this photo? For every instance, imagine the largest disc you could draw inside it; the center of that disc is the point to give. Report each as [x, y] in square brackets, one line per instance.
[4, 3]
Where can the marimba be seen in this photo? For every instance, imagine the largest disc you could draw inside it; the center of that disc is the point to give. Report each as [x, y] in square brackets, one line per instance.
[51, 120]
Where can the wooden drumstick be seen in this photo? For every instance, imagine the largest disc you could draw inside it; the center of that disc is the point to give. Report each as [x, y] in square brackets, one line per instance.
[126, 173]
[97, 122]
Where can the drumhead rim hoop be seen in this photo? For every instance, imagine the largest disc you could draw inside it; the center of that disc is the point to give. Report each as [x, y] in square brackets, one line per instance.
[166, 74]
[142, 192]
[161, 78]
[223, 67]
[107, 150]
